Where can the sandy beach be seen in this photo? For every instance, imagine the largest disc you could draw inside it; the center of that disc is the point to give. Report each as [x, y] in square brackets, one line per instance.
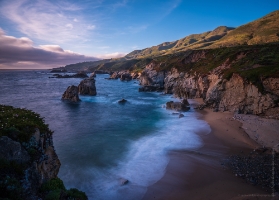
[202, 174]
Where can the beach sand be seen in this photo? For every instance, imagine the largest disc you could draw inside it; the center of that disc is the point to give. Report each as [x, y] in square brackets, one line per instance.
[201, 173]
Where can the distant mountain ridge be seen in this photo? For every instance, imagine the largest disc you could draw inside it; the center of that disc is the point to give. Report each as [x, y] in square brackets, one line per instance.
[193, 41]
[260, 31]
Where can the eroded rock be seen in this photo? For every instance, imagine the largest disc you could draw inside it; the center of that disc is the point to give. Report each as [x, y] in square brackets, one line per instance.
[71, 94]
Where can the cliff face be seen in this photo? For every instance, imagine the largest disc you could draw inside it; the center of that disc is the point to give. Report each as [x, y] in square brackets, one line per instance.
[235, 94]
[28, 162]
[44, 164]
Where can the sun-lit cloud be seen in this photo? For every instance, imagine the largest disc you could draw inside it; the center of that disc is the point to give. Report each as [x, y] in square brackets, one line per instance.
[112, 55]
[20, 53]
[48, 21]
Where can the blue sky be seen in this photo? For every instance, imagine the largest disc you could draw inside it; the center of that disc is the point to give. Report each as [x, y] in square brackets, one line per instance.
[84, 30]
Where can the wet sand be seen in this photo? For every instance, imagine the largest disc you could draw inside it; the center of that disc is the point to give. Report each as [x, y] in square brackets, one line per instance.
[201, 173]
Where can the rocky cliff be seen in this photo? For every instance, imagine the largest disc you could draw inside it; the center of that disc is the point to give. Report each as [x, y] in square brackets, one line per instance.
[28, 162]
[226, 83]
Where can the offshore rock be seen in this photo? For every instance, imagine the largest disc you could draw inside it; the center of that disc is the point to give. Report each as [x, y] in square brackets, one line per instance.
[71, 94]
[122, 101]
[87, 87]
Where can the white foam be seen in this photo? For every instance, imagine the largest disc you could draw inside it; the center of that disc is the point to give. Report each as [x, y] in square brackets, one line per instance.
[147, 159]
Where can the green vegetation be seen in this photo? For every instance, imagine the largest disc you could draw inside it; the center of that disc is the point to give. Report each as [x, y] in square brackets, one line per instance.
[20, 124]
[54, 189]
[263, 30]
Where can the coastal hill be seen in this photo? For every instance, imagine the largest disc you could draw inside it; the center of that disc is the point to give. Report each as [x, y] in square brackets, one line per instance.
[193, 41]
[261, 31]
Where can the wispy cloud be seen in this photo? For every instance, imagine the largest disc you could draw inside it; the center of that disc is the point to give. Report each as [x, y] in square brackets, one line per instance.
[48, 21]
[21, 53]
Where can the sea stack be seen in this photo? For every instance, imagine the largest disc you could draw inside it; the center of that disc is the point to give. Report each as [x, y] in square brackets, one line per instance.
[87, 87]
[71, 94]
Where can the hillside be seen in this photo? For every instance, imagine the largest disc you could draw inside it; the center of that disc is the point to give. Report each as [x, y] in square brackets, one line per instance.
[260, 31]
[193, 41]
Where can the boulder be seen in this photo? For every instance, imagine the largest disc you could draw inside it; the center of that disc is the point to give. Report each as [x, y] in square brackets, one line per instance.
[178, 106]
[71, 94]
[87, 87]
[123, 181]
[125, 77]
[180, 115]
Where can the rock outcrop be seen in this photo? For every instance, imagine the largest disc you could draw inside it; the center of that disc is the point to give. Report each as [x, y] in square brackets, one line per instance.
[122, 75]
[87, 87]
[28, 162]
[71, 94]
[182, 106]
[234, 94]
[13, 151]
[151, 77]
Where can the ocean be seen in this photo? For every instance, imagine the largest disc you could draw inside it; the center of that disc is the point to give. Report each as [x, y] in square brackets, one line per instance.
[99, 141]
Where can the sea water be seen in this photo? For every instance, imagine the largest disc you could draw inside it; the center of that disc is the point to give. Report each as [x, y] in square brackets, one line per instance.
[100, 142]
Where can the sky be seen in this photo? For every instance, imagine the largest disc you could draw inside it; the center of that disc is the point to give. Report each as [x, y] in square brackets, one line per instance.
[52, 33]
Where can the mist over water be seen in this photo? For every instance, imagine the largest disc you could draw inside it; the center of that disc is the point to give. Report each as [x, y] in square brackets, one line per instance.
[99, 141]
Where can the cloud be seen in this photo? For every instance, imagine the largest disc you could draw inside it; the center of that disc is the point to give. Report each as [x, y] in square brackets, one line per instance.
[48, 21]
[21, 54]
[112, 55]
[91, 27]
[70, 26]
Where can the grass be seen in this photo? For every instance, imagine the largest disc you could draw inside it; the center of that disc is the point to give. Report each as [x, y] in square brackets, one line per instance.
[20, 124]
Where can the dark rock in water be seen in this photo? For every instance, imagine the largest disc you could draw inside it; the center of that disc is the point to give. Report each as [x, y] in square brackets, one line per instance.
[71, 94]
[81, 74]
[180, 115]
[13, 151]
[58, 71]
[125, 77]
[178, 106]
[185, 102]
[87, 87]
[123, 181]
[122, 101]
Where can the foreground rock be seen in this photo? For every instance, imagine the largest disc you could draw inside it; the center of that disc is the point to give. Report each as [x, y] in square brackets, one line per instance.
[87, 87]
[71, 94]
[178, 106]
